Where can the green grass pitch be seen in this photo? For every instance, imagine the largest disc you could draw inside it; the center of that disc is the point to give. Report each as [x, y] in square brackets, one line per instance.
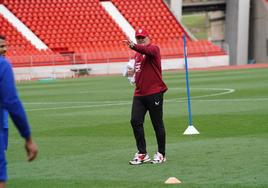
[85, 138]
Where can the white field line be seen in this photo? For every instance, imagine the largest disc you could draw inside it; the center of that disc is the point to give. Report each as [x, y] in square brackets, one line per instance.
[76, 107]
[127, 103]
[121, 103]
[68, 102]
[232, 100]
[226, 91]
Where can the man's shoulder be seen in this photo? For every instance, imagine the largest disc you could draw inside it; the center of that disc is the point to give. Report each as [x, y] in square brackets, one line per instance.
[4, 64]
[153, 46]
[4, 61]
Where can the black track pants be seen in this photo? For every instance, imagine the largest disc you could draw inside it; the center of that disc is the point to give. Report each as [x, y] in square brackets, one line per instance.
[154, 104]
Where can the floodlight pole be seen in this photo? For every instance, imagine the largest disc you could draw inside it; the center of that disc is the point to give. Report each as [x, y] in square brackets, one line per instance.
[191, 129]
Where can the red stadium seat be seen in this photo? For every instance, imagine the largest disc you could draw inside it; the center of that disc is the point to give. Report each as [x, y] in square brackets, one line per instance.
[79, 24]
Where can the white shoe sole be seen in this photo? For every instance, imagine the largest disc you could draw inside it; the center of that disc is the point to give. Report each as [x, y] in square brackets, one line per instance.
[139, 163]
[158, 162]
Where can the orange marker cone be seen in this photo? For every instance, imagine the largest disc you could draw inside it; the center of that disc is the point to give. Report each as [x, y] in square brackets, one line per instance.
[172, 180]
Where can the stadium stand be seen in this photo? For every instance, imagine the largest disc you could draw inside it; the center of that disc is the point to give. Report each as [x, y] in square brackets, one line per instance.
[70, 25]
[20, 50]
[163, 27]
[18, 45]
[78, 26]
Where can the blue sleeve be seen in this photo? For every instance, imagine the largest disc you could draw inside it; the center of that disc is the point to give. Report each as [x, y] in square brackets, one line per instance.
[10, 101]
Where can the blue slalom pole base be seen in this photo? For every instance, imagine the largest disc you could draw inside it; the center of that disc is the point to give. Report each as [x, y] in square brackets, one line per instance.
[191, 130]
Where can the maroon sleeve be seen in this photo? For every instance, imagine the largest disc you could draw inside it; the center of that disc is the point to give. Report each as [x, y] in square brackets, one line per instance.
[150, 50]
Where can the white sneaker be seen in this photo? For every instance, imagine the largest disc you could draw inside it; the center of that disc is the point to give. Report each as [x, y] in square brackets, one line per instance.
[158, 158]
[139, 158]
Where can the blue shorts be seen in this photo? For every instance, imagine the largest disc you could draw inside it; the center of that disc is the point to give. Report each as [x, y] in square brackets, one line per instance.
[3, 147]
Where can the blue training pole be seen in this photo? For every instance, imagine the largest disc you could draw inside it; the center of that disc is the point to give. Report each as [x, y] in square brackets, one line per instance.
[187, 80]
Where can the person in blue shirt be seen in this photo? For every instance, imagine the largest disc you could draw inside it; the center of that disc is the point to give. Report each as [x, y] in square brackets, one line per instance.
[10, 105]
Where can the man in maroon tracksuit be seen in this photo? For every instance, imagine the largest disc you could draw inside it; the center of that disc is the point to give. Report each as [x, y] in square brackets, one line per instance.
[148, 96]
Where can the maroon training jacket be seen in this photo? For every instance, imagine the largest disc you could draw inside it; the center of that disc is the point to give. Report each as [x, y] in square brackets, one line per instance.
[148, 71]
